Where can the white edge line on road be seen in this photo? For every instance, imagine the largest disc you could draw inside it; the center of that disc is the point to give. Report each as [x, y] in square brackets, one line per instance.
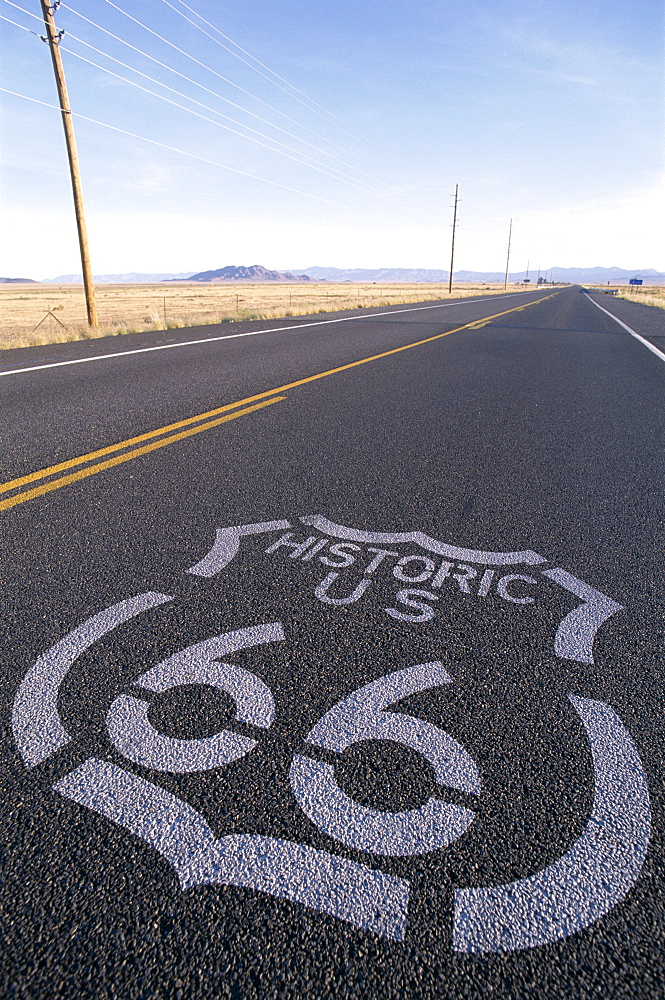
[251, 333]
[632, 332]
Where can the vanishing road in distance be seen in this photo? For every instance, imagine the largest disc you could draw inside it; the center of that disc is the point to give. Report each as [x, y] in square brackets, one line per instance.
[333, 656]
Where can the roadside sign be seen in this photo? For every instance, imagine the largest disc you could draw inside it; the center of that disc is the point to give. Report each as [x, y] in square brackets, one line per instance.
[635, 281]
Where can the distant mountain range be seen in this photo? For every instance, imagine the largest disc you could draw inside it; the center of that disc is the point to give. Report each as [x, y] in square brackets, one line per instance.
[256, 272]
[575, 275]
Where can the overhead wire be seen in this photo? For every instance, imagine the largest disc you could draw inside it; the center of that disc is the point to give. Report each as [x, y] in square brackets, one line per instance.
[188, 55]
[323, 168]
[16, 24]
[308, 102]
[245, 62]
[161, 97]
[182, 107]
[36, 17]
[224, 78]
[221, 97]
[193, 100]
[221, 33]
[175, 149]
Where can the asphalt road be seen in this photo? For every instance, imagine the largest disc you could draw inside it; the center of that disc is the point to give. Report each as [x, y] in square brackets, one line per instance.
[333, 666]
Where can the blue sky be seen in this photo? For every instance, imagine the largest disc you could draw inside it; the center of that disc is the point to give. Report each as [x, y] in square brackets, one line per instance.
[547, 112]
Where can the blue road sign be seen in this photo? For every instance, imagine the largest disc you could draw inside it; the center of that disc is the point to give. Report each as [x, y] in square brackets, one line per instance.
[635, 281]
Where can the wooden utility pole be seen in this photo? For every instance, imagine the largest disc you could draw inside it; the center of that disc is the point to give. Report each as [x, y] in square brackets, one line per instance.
[452, 248]
[53, 37]
[510, 234]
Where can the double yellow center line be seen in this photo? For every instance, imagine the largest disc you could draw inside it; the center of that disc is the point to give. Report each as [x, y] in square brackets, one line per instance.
[195, 425]
[90, 470]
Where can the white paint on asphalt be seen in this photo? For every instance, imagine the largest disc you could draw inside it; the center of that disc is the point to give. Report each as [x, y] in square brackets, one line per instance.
[327, 527]
[135, 738]
[38, 730]
[227, 545]
[393, 834]
[575, 634]
[361, 716]
[321, 591]
[250, 333]
[298, 549]
[198, 665]
[569, 895]
[592, 877]
[406, 597]
[577, 631]
[502, 588]
[423, 573]
[371, 900]
[633, 333]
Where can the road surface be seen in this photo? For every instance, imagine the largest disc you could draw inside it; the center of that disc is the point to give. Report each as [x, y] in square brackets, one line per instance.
[333, 656]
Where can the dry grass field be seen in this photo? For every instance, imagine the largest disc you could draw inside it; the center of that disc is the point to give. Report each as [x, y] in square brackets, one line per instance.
[646, 295]
[50, 314]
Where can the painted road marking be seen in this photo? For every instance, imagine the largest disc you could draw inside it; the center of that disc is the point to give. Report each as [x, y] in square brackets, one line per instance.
[91, 470]
[592, 877]
[71, 463]
[360, 563]
[568, 896]
[363, 716]
[227, 545]
[424, 541]
[575, 634]
[255, 333]
[630, 330]
[102, 466]
[370, 900]
[135, 737]
[38, 730]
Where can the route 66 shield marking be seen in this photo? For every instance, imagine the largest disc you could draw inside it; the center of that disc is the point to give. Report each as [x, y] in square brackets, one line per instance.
[409, 576]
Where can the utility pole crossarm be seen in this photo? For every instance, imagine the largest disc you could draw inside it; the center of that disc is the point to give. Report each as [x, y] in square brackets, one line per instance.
[53, 37]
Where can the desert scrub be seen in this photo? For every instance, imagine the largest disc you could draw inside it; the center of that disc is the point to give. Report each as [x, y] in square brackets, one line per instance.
[652, 295]
[135, 308]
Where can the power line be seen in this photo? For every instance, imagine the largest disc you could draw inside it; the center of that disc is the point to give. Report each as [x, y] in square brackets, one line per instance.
[164, 66]
[216, 94]
[17, 25]
[206, 67]
[201, 86]
[308, 103]
[296, 158]
[391, 190]
[299, 156]
[28, 12]
[186, 97]
[236, 56]
[327, 170]
[226, 80]
[183, 152]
